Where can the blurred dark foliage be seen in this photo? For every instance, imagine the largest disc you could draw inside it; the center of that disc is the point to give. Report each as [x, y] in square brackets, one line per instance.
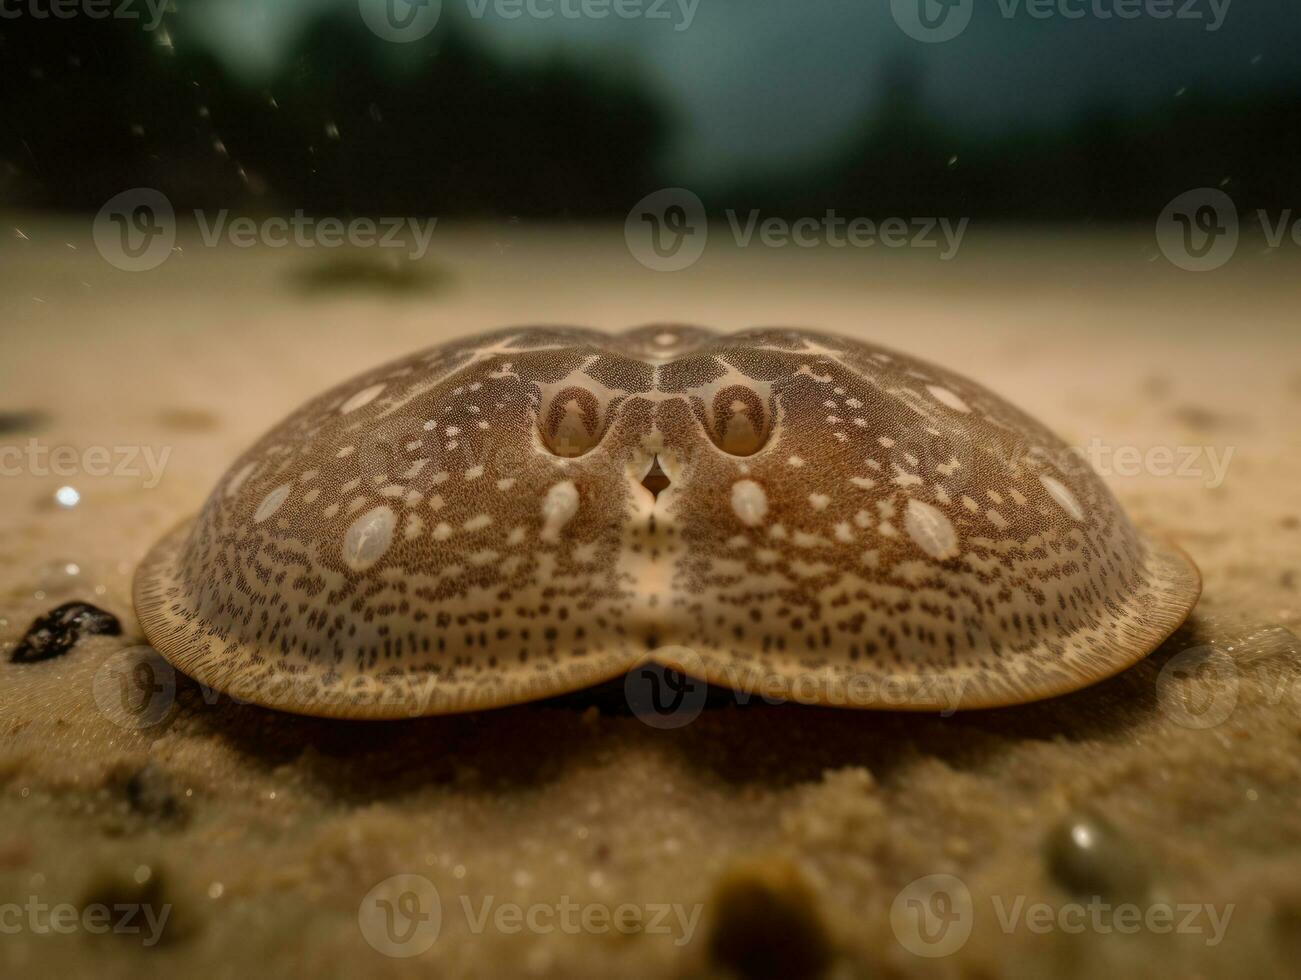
[352, 125]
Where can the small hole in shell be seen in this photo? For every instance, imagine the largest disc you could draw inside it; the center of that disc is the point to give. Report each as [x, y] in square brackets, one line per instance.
[656, 480]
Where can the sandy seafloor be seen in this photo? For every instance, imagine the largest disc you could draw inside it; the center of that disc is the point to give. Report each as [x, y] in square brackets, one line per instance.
[791, 829]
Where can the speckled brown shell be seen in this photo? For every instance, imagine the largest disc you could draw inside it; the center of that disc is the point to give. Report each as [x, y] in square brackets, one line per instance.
[473, 526]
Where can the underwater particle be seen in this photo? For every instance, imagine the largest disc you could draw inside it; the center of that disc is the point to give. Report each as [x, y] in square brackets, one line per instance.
[67, 497]
[765, 923]
[535, 511]
[58, 631]
[1087, 857]
[59, 578]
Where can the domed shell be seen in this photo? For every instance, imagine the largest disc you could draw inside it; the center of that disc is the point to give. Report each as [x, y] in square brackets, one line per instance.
[529, 512]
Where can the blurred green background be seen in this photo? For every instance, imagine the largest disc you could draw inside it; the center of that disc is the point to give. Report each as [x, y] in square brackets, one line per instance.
[553, 109]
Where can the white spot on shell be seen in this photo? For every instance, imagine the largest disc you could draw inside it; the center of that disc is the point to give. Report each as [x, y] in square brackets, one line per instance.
[271, 503]
[238, 479]
[931, 530]
[1063, 496]
[749, 501]
[361, 399]
[369, 537]
[946, 397]
[559, 507]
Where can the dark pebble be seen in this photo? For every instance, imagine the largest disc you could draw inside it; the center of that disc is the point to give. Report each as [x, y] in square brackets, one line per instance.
[12, 422]
[150, 792]
[1089, 858]
[766, 924]
[55, 633]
